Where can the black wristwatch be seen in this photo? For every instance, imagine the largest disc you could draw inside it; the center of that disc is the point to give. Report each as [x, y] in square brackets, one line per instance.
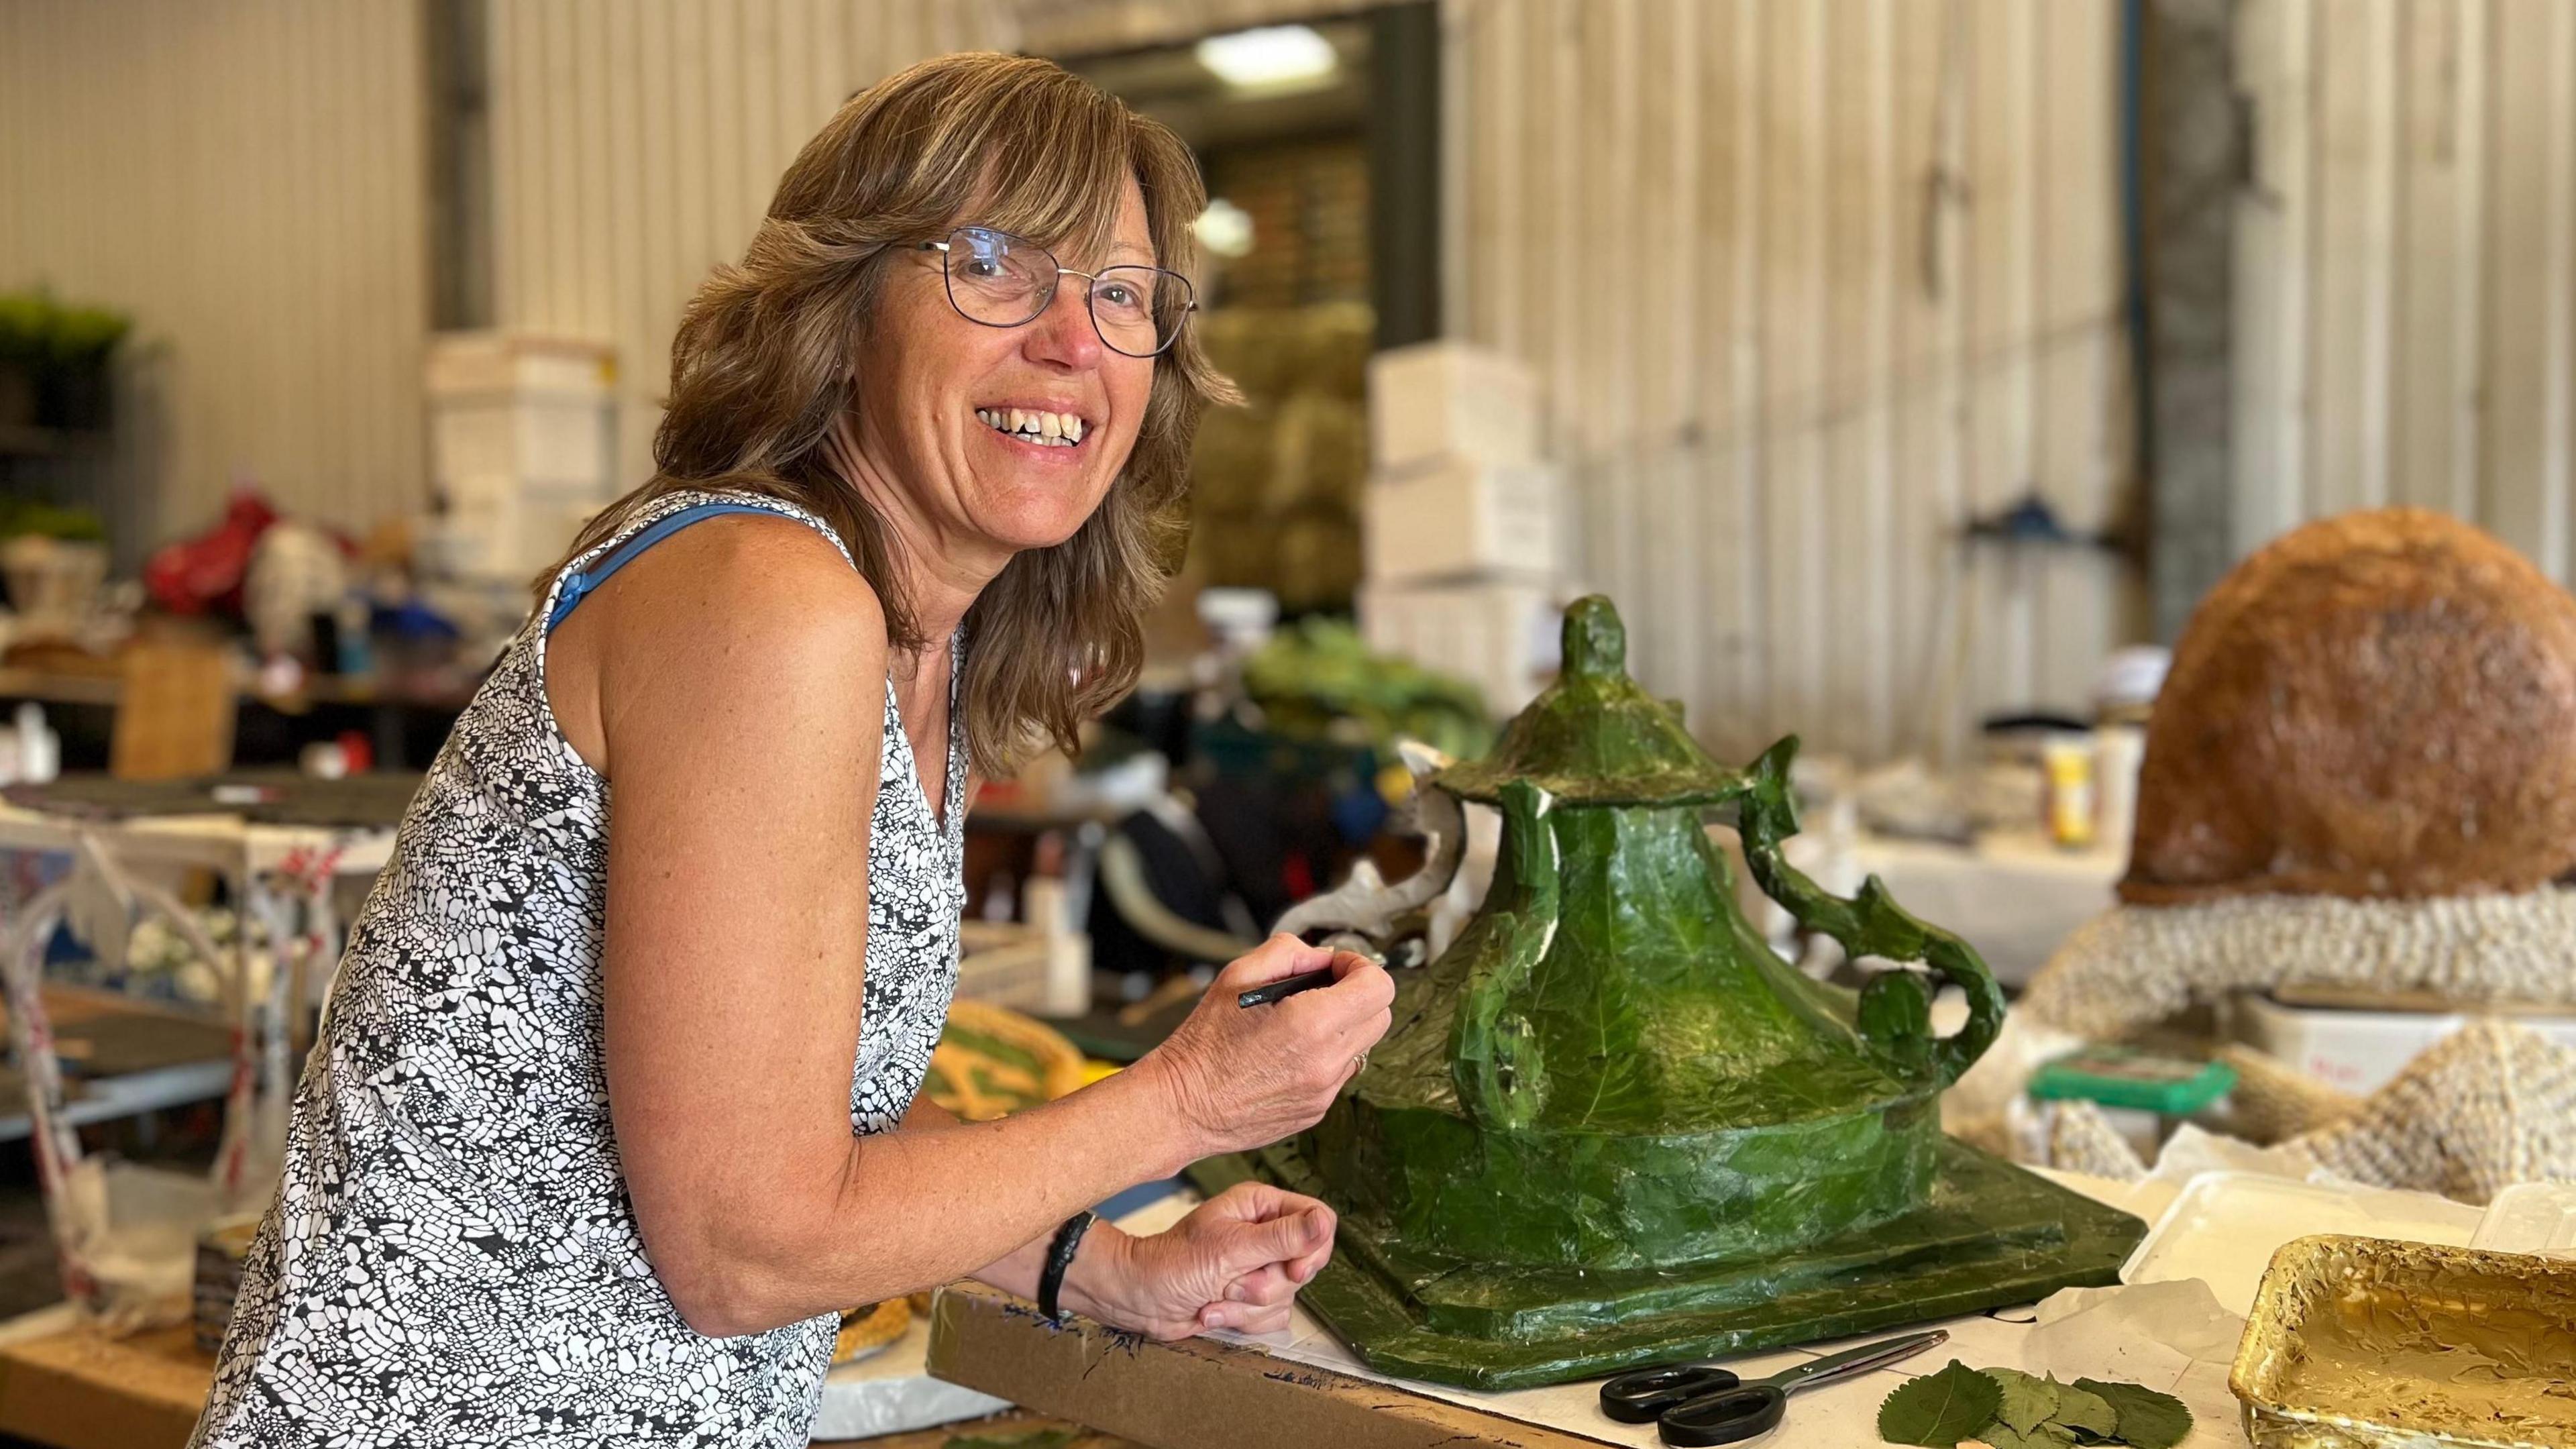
[1059, 1257]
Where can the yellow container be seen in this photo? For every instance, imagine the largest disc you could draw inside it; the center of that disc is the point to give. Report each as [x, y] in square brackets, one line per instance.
[2367, 1343]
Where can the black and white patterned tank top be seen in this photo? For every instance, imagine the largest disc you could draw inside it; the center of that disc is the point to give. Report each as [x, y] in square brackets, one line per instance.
[452, 1258]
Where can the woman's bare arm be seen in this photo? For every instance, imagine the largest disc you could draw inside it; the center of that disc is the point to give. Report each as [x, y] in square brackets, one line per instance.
[740, 693]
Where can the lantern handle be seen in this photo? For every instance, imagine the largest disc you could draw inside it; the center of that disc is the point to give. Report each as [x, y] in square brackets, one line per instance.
[1377, 910]
[1493, 1056]
[1895, 1012]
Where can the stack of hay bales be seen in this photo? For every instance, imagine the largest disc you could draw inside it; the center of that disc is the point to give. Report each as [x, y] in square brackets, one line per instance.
[1275, 485]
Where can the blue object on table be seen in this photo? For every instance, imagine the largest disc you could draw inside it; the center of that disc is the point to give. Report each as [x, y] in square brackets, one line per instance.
[411, 619]
[1143, 1194]
[1358, 810]
[1699, 1404]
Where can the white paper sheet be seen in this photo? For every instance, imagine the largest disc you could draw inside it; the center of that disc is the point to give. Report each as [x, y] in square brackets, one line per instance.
[1833, 1416]
[893, 1393]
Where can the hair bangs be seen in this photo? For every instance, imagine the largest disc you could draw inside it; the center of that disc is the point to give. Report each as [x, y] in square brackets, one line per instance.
[1064, 197]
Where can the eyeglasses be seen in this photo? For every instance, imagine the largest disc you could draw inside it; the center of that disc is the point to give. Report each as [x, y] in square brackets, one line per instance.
[1001, 280]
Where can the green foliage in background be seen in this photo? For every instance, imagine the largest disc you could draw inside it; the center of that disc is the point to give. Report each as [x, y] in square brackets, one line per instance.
[1316, 680]
[39, 332]
[21, 516]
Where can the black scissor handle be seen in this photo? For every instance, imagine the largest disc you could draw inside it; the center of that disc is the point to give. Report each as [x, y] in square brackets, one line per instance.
[1725, 1417]
[1640, 1396]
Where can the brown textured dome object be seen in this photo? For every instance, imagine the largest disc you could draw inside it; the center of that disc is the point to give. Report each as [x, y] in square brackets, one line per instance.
[2377, 705]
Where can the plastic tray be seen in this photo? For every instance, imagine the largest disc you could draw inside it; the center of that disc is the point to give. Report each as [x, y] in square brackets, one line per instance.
[2225, 1227]
[2531, 1217]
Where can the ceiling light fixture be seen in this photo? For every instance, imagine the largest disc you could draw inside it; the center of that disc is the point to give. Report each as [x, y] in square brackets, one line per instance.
[1273, 55]
[1224, 228]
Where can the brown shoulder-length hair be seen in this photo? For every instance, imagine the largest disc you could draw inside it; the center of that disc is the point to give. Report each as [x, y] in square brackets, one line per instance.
[760, 369]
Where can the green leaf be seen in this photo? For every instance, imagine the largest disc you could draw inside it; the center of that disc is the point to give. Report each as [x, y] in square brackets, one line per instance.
[2028, 1401]
[1939, 1410]
[2083, 1409]
[2001, 1435]
[2148, 1420]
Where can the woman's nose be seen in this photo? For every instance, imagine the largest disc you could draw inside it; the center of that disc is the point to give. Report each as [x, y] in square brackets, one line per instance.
[1062, 335]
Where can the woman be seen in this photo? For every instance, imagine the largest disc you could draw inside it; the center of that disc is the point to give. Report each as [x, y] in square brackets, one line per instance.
[613, 1110]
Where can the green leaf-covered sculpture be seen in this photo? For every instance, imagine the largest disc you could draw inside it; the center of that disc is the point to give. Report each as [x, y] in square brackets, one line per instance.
[1610, 1127]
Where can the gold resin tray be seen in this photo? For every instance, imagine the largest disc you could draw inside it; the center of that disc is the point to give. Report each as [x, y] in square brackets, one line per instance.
[2366, 1343]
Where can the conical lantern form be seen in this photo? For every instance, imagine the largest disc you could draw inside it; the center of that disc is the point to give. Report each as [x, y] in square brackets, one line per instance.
[1610, 1025]
[1609, 1125]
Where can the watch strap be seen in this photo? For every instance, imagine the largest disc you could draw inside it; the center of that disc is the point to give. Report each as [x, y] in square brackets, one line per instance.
[1060, 1251]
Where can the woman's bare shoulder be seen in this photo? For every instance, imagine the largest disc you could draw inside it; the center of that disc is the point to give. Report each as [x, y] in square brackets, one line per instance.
[763, 581]
[747, 627]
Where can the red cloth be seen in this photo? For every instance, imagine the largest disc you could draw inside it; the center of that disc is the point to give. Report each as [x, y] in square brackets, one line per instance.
[203, 575]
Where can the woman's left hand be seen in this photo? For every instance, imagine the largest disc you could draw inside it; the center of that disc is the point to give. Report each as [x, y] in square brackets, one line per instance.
[1236, 1262]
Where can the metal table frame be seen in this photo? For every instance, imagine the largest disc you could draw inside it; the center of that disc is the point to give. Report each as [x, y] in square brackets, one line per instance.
[282, 876]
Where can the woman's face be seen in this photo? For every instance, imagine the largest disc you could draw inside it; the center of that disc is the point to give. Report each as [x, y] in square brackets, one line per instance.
[931, 379]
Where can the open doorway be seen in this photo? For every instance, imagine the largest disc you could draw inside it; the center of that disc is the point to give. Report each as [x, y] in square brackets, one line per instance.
[1318, 147]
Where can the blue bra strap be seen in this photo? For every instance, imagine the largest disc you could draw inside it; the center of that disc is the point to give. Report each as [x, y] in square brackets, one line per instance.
[578, 586]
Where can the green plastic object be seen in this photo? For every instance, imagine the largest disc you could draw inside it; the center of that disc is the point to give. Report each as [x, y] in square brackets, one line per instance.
[2126, 1077]
[1610, 1127]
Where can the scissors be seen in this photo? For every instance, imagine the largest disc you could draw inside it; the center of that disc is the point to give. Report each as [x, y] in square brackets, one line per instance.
[1696, 1404]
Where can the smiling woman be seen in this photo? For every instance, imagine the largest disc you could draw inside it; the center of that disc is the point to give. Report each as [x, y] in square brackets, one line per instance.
[775, 350]
[614, 1111]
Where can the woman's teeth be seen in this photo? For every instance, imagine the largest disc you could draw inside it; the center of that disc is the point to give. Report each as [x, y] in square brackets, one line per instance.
[1047, 430]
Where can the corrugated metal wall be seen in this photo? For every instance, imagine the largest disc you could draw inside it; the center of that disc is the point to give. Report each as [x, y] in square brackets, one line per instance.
[1810, 282]
[2406, 277]
[635, 145]
[246, 178]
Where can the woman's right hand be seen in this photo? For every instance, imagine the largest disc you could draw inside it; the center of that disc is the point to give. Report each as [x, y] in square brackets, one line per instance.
[1243, 1077]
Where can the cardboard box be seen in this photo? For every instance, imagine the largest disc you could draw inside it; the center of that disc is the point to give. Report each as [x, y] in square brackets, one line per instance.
[1194, 1393]
[488, 536]
[523, 447]
[1500, 635]
[463, 363]
[1440, 400]
[2361, 1050]
[561, 445]
[1461, 519]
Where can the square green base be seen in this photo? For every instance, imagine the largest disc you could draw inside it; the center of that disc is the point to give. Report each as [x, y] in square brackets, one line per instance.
[1988, 1235]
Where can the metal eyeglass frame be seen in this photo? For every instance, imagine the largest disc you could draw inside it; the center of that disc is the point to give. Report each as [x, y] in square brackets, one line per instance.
[1090, 299]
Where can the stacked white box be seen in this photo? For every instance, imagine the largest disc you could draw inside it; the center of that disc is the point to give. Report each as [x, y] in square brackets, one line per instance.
[2362, 1051]
[1460, 522]
[1460, 519]
[522, 446]
[1438, 401]
[1498, 634]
